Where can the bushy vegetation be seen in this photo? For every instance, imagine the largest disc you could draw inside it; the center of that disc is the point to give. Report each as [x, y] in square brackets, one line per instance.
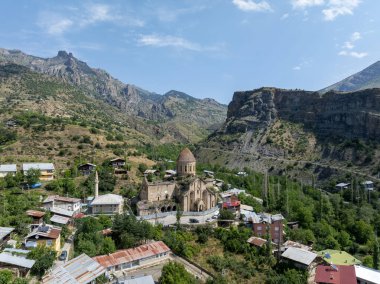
[175, 273]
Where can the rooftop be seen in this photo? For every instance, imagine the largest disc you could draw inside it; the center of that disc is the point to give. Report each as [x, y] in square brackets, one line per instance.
[128, 255]
[293, 244]
[5, 231]
[367, 274]
[16, 260]
[35, 213]
[256, 241]
[8, 168]
[266, 218]
[60, 219]
[147, 279]
[299, 255]
[81, 269]
[61, 211]
[338, 257]
[52, 198]
[186, 156]
[335, 274]
[40, 166]
[107, 199]
[47, 231]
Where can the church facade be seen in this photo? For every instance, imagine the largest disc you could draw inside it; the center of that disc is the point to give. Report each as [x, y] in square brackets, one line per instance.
[191, 193]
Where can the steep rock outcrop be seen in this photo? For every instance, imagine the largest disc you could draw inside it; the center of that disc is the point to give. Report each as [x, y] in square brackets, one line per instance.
[348, 115]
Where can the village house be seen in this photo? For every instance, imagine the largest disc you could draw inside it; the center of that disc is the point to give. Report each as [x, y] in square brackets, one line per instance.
[192, 193]
[258, 242]
[66, 203]
[5, 235]
[366, 275]
[46, 169]
[37, 216]
[335, 274]
[338, 257]
[60, 220]
[47, 235]
[264, 223]
[109, 204]
[299, 257]
[368, 185]
[232, 204]
[134, 258]
[80, 270]
[9, 169]
[20, 266]
[341, 186]
[86, 169]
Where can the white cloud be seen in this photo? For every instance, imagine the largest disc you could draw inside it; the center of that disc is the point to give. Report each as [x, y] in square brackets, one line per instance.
[297, 68]
[252, 6]
[168, 41]
[54, 24]
[356, 36]
[171, 15]
[353, 54]
[285, 16]
[337, 8]
[301, 4]
[349, 45]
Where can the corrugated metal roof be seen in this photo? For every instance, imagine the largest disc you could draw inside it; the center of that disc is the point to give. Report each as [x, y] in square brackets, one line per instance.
[367, 274]
[148, 279]
[128, 255]
[81, 269]
[8, 168]
[61, 198]
[5, 231]
[60, 219]
[16, 260]
[299, 255]
[107, 199]
[61, 211]
[40, 166]
[35, 213]
[52, 232]
[12, 250]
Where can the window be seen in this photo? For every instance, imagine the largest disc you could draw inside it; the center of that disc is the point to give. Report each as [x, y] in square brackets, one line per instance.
[49, 243]
[276, 240]
[259, 228]
[276, 228]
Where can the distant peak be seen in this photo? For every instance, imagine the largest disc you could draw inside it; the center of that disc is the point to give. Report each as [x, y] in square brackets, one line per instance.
[64, 54]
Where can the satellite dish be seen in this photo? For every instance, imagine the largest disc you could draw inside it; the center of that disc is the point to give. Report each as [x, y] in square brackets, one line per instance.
[37, 237]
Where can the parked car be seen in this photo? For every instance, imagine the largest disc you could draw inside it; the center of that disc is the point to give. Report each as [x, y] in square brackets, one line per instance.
[63, 255]
[192, 220]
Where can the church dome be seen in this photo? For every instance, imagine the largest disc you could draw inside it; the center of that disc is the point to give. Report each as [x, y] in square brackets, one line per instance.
[186, 156]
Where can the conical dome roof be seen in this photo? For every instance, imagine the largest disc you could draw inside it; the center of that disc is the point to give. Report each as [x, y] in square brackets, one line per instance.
[186, 156]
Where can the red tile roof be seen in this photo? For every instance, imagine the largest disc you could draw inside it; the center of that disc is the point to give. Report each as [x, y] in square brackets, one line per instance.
[128, 255]
[35, 213]
[343, 274]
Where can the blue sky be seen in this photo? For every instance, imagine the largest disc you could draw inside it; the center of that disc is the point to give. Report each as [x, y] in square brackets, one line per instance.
[206, 48]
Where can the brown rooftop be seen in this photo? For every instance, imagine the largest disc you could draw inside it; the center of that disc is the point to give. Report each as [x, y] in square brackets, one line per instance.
[186, 156]
[35, 213]
[259, 242]
[128, 255]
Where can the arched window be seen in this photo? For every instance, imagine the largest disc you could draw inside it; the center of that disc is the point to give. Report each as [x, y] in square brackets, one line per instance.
[158, 198]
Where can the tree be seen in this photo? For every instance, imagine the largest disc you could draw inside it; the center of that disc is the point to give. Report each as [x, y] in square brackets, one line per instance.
[32, 176]
[142, 168]
[44, 258]
[6, 276]
[376, 254]
[175, 273]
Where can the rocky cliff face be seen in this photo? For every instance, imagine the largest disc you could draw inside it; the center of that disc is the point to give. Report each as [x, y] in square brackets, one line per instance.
[174, 107]
[348, 115]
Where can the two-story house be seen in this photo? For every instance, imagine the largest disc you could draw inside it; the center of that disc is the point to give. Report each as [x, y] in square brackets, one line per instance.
[264, 223]
[66, 203]
[46, 169]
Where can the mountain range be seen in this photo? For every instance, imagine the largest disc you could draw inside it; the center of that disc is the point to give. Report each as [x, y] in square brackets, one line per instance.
[366, 79]
[171, 110]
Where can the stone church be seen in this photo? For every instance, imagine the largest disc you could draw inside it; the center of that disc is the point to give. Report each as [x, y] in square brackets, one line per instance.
[190, 192]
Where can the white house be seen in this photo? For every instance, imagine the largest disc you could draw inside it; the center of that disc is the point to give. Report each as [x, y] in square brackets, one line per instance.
[66, 203]
[8, 169]
[47, 170]
[368, 185]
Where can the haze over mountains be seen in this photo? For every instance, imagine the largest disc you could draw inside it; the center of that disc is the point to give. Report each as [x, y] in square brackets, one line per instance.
[171, 109]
